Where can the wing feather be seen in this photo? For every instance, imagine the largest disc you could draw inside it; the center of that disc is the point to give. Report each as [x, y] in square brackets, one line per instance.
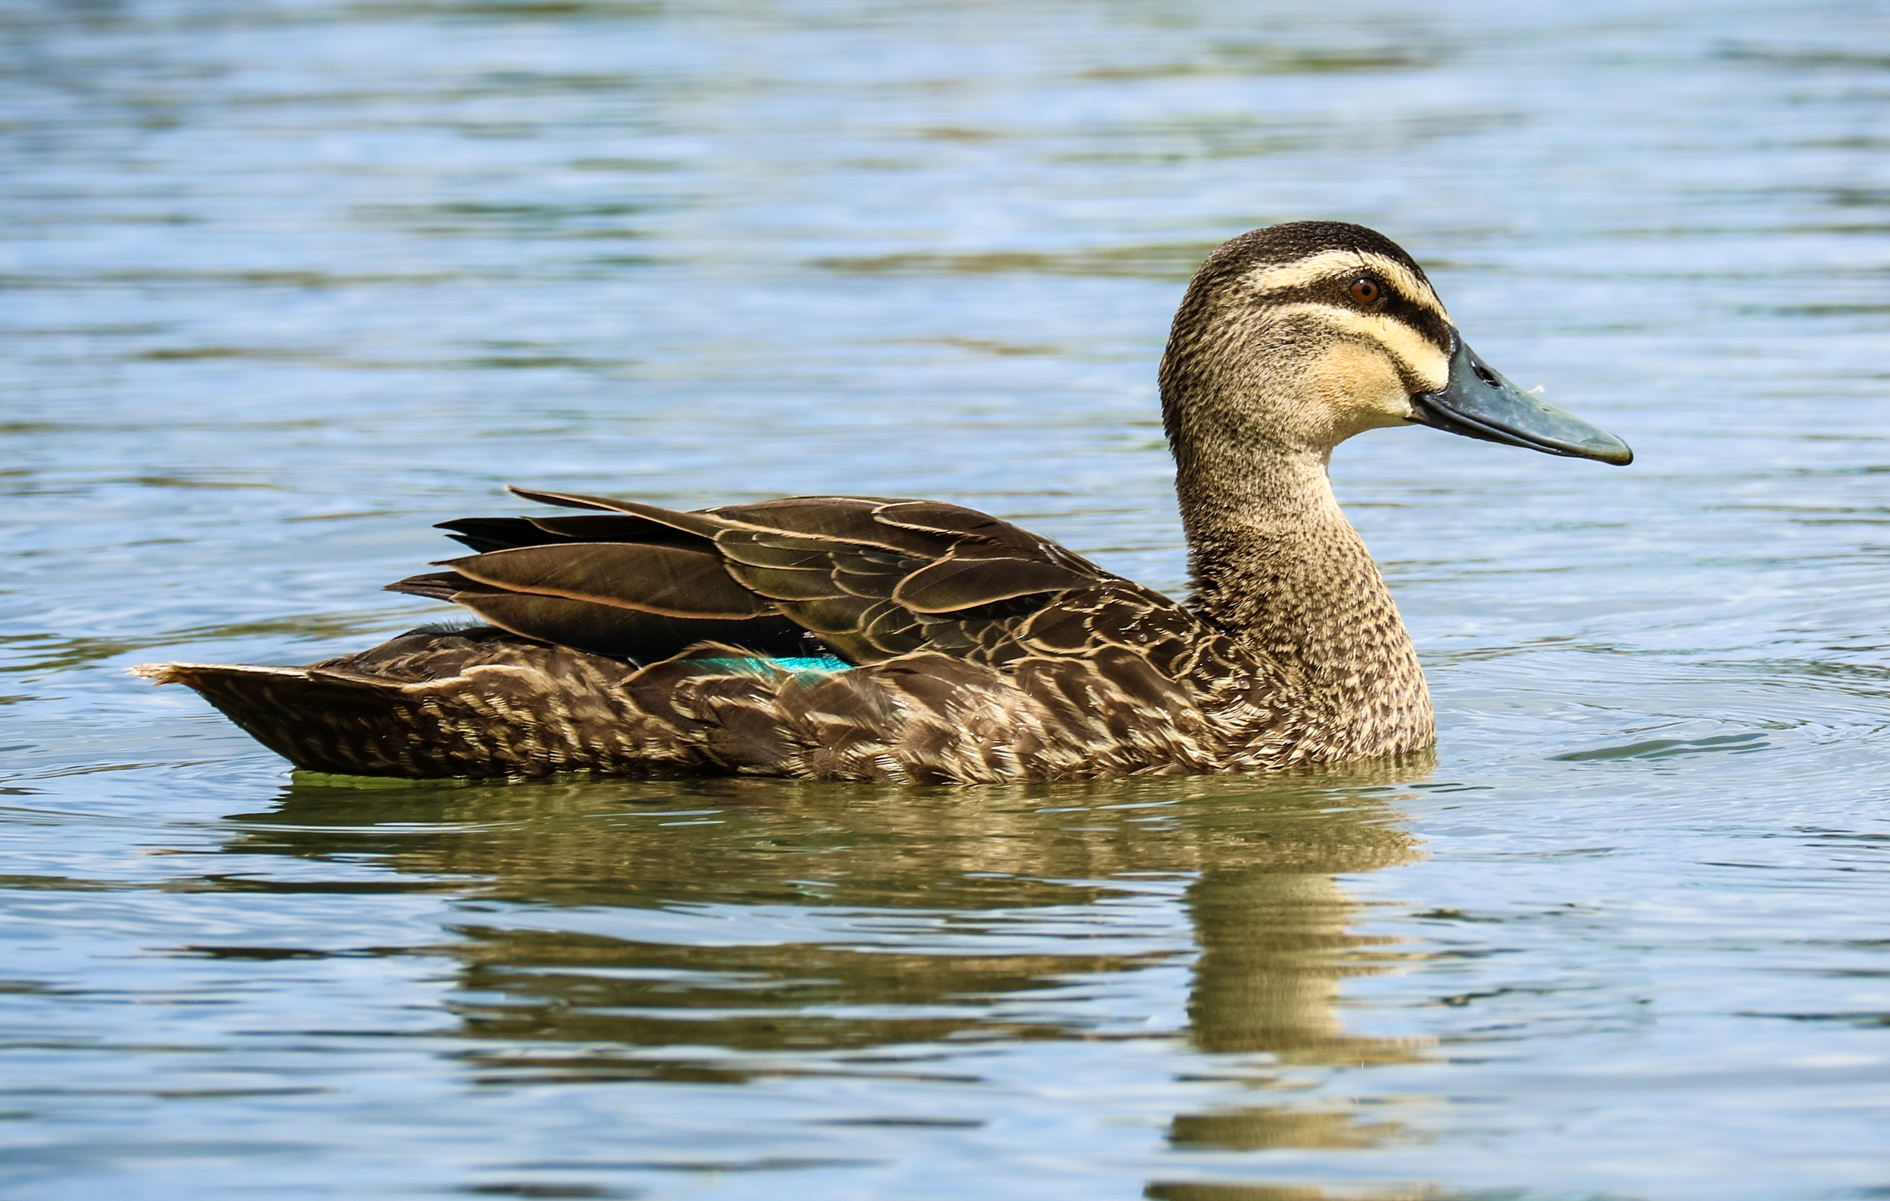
[673, 581]
[954, 583]
[702, 524]
[786, 583]
[874, 578]
[852, 520]
[755, 549]
[828, 615]
[625, 634]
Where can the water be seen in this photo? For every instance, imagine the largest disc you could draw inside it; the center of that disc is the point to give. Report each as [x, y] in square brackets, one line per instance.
[287, 282]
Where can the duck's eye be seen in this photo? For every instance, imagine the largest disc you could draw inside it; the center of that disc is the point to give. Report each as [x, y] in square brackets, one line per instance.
[1366, 291]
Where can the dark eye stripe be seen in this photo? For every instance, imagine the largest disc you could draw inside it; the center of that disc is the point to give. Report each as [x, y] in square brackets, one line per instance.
[1392, 303]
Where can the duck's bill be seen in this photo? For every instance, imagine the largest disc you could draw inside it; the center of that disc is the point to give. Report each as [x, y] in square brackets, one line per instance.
[1479, 403]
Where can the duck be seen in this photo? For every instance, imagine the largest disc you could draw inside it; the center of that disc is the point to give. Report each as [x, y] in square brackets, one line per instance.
[912, 642]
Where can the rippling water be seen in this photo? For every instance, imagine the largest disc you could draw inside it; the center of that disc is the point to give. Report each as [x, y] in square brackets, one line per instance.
[287, 282]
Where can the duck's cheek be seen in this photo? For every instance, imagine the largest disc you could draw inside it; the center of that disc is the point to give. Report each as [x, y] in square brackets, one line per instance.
[1355, 388]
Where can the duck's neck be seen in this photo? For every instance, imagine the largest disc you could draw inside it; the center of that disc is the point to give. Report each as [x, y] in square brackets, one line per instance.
[1276, 563]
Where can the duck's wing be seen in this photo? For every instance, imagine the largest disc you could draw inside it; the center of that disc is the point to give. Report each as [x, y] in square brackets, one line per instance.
[871, 578]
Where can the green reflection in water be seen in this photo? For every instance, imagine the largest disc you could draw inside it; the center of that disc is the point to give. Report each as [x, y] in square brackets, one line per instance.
[720, 930]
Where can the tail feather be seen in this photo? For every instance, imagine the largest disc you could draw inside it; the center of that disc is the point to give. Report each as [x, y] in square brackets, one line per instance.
[473, 703]
[321, 720]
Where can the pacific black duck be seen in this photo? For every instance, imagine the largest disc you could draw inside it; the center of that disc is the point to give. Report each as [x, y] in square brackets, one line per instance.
[912, 641]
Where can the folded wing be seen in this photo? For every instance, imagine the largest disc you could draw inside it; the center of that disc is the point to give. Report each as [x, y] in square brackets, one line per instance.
[865, 578]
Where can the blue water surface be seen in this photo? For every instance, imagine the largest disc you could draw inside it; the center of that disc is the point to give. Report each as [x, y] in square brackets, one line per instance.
[283, 282]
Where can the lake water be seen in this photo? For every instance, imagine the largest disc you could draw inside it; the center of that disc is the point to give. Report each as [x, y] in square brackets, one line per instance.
[287, 281]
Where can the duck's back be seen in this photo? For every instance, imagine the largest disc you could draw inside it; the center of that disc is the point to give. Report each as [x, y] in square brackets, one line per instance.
[826, 637]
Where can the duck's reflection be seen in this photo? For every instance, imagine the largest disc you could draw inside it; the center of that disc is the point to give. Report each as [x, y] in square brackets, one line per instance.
[711, 930]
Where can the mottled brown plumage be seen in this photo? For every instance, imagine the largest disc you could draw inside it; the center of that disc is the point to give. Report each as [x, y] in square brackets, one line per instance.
[911, 641]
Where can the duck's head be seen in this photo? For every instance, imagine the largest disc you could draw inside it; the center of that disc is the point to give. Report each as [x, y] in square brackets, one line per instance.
[1298, 336]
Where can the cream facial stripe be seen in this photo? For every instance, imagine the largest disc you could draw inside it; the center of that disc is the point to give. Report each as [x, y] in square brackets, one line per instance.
[1330, 264]
[1418, 355]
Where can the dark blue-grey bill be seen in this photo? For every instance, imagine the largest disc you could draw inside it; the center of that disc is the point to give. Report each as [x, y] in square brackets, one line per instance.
[1479, 403]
